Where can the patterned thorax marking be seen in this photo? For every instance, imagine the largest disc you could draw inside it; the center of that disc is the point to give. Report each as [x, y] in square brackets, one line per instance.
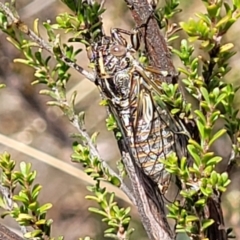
[148, 130]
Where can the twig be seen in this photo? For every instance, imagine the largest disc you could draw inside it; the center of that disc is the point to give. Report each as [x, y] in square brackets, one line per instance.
[42, 44]
[9, 202]
[95, 153]
[153, 217]
[155, 42]
[7, 234]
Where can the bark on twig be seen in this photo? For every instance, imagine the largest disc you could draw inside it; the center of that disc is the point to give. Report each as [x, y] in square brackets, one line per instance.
[156, 45]
[152, 215]
[7, 234]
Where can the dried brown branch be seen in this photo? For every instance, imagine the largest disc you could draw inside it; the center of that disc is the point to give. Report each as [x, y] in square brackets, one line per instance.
[152, 215]
[7, 234]
[156, 45]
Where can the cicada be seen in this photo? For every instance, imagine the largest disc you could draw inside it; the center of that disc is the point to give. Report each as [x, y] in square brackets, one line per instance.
[149, 130]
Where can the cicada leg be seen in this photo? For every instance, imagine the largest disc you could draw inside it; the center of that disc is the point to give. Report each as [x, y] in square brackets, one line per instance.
[134, 36]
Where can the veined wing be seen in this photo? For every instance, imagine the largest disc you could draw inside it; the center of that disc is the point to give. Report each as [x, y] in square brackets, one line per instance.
[155, 134]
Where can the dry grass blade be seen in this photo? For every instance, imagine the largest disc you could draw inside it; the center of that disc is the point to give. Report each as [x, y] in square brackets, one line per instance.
[56, 163]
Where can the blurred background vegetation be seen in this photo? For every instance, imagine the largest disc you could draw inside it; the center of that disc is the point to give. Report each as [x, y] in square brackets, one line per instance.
[24, 117]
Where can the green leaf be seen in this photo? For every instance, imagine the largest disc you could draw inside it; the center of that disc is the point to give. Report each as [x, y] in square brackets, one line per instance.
[44, 208]
[14, 42]
[98, 211]
[195, 144]
[41, 222]
[201, 116]
[206, 191]
[94, 137]
[223, 21]
[216, 136]
[31, 177]
[23, 198]
[205, 94]
[226, 47]
[236, 3]
[25, 168]
[35, 191]
[191, 218]
[200, 202]
[214, 177]
[225, 178]
[24, 216]
[33, 234]
[201, 128]
[33, 206]
[206, 223]
[194, 153]
[115, 181]
[214, 161]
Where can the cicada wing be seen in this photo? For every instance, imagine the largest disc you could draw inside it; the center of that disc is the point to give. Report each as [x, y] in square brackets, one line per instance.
[151, 187]
[162, 134]
[151, 141]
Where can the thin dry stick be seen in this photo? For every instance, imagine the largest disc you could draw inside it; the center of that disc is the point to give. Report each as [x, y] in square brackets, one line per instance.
[7, 195]
[58, 164]
[152, 216]
[7, 234]
[155, 42]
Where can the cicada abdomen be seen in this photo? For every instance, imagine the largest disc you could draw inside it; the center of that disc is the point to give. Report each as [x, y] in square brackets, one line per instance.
[149, 131]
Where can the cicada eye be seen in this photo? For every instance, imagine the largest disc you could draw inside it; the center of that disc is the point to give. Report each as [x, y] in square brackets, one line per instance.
[118, 50]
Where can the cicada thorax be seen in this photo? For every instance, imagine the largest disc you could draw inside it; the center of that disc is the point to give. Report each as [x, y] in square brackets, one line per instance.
[149, 131]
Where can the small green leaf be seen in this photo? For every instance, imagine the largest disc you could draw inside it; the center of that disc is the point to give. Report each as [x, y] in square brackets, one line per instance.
[33, 234]
[35, 191]
[25, 168]
[24, 216]
[23, 198]
[98, 211]
[44, 208]
[200, 202]
[194, 153]
[206, 223]
[205, 94]
[217, 135]
[41, 222]
[214, 177]
[33, 206]
[214, 161]
[201, 116]
[94, 137]
[191, 218]
[115, 181]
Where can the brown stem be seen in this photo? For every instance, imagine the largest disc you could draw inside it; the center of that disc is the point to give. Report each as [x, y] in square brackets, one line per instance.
[7, 234]
[155, 42]
[152, 214]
